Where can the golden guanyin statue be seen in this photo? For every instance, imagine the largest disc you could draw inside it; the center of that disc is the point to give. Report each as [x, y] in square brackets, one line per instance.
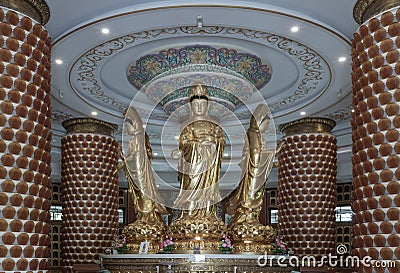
[149, 225]
[201, 145]
[246, 202]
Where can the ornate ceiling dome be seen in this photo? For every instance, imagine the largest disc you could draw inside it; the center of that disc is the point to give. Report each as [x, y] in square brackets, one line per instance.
[245, 53]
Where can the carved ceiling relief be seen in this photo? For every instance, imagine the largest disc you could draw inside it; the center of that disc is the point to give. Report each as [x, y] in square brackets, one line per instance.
[314, 70]
[341, 114]
[59, 116]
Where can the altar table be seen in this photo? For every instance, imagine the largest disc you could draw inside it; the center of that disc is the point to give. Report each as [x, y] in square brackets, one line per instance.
[194, 263]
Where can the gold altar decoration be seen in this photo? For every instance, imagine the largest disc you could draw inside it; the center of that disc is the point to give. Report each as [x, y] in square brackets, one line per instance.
[149, 225]
[248, 234]
[186, 263]
[201, 145]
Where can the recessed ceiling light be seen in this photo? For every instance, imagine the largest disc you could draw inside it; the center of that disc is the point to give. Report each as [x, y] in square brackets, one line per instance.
[226, 154]
[294, 29]
[342, 59]
[155, 153]
[58, 61]
[94, 113]
[302, 113]
[352, 110]
[105, 30]
[176, 137]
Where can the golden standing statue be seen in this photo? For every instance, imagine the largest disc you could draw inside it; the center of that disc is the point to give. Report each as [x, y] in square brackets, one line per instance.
[246, 203]
[201, 145]
[149, 225]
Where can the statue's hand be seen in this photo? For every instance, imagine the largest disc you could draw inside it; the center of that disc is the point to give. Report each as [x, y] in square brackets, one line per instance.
[207, 143]
[176, 154]
[129, 128]
[120, 166]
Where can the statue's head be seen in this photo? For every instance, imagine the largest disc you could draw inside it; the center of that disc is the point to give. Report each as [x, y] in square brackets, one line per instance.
[198, 98]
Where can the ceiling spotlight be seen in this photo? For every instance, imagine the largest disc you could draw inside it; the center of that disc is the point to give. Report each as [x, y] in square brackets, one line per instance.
[94, 113]
[199, 20]
[294, 29]
[58, 61]
[342, 59]
[105, 30]
[352, 110]
[176, 137]
[302, 113]
[226, 154]
[155, 153]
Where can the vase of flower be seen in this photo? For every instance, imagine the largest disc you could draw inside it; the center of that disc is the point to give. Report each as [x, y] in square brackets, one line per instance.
[168, 245]
[280, 247]
[226, 245]
[120, 245]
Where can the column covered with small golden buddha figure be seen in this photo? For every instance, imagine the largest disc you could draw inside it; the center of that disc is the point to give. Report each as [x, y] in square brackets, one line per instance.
[25, 141]
[307, 187]
[375, 133]
[89, 190]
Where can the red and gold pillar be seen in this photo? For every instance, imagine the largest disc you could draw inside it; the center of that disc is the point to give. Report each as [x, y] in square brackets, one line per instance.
[25, 136]
[375, 133]
[307, 187]
[89, 158]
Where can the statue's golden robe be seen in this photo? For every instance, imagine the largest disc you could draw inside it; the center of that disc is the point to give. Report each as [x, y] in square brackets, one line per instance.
[201, 145]
[146, 198]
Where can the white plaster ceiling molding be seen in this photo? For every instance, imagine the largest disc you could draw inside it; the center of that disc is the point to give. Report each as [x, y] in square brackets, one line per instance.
[305, 67]
[305, 72]
[312, 71]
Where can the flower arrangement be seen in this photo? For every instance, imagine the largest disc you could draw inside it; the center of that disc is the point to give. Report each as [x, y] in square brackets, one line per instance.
[168, 244]
[226, 245]
[120, 244]
[280, 247]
